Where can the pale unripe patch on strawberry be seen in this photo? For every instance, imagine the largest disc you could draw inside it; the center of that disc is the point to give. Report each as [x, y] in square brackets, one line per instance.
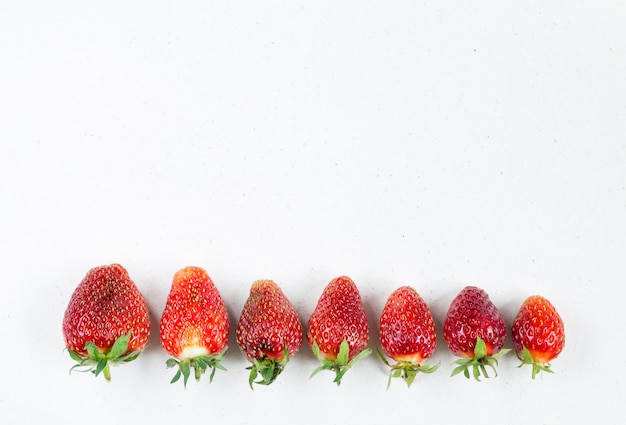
[415, 358]
[328, 352]
[193, 349]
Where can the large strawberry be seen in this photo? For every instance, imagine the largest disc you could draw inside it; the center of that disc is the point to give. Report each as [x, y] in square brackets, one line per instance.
[407, 334]
[269, 331]
[106, 321]
[338, 331]
[194, 325]
[474, 330]
[538, 334]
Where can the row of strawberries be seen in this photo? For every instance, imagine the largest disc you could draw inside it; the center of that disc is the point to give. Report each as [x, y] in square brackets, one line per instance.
[107, 322]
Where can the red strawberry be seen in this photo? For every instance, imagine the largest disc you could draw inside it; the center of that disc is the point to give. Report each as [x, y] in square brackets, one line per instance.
[475, 330]
[538, 334]
[194, 324]
[107, 320]
[407, 334]
[269, 331]
[338, 331]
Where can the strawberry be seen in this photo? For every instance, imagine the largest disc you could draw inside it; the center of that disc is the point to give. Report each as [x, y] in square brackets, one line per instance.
[106, 321]
[407, 334]
[269, 331]
[538, 334]
[194, 325]
[475, 330]
[338, 332]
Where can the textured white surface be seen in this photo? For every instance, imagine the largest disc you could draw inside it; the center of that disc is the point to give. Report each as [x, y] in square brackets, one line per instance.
[430, 145]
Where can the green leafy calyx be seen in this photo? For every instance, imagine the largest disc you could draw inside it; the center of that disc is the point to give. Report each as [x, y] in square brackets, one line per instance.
[478, 364]
[341, 364]
[406, 370]
[98, 361]
[267, 368]
[199, 364]
[537, 367]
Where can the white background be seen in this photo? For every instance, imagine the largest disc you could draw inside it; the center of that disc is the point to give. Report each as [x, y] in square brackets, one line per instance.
[433, 144]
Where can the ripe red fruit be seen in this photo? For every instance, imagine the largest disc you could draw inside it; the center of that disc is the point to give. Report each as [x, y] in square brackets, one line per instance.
[269, 331]
[106, 321]
[407, 334]
[338, 331]
[538, 334]
[475, 330]
[194, 324]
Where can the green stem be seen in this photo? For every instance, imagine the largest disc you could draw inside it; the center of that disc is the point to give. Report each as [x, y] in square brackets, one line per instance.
[107, 373]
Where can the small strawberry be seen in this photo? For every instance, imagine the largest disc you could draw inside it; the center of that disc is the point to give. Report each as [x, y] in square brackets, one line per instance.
[106, 321]
[475, 330]
[269, 331]
[338, 331]
[194, 324]
[538, 334]
[407, 334]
